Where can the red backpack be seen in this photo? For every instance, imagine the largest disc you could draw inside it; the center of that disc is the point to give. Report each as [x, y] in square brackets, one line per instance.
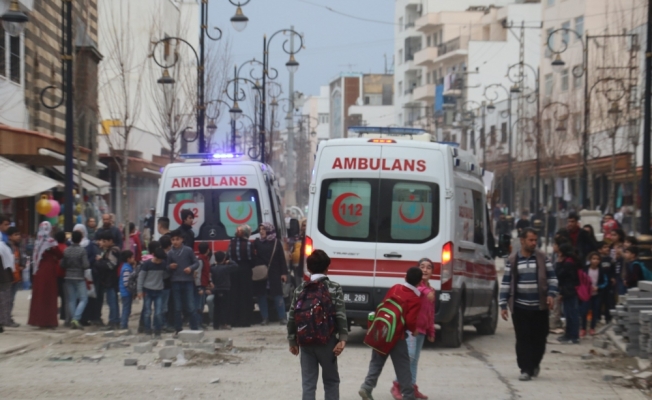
[314, 315]
[585, 288]
[386, 326]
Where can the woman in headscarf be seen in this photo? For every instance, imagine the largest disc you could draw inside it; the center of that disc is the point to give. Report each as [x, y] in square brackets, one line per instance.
[269, 251]
[242, 253]
[47, 254]
[91, 312]
[7, 269]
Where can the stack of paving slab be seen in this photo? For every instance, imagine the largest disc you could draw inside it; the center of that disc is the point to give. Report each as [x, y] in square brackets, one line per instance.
[633, 320]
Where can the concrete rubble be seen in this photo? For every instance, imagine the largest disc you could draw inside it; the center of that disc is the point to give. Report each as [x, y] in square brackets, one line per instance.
[633, 321]
[131, 362]
[191, 336]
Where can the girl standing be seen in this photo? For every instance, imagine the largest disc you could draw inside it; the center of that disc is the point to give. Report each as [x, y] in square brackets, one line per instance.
[599, 282]
[425, 328]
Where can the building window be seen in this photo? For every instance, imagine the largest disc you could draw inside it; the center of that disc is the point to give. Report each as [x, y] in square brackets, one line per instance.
[503, 132]
[400, 56]
[14, 59]
[3, 55]
[323, 118]
[428, 78]
[428, 41]
[577, 80]
[564, 80]
[548, 83]
[565, 34]
[400, 88]
[492, 135]
[577, 124]
[579, 26]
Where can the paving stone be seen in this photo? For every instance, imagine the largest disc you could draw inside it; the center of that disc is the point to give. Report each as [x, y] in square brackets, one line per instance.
[170, 352]
[131, 362]
[644, 286]
[154, 343]
[170, 342]
[210, 347]
[142, 367]
[166, 363]
[194, 336]
[216, 380]
[601, 344]
[587, 356]
[143, 348]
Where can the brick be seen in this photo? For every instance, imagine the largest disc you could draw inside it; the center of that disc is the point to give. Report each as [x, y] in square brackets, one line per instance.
[170, 342]
[166, 363]
[131, 362]
[170, 352]
[142, 367]
[191, 336]
[143, 348]
[644, 286]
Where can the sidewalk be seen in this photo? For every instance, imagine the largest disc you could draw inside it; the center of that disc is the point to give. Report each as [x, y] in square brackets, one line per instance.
[25, 337]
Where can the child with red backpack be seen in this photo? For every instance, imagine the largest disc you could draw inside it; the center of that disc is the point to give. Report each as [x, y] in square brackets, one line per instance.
[395, 315]
[317, 327]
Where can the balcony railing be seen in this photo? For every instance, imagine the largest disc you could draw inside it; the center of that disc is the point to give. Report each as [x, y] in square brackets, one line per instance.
[449, 46]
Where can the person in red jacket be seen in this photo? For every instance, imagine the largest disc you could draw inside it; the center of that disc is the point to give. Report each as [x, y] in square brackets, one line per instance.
[203, 282]
[409, 298]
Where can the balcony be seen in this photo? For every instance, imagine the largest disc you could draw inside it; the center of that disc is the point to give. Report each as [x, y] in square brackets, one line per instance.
[424, 93]
[426, 56]
[453, 48]
[428, 22]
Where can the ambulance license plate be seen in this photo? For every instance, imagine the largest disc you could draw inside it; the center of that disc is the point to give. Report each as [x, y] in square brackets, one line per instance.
[361, 298]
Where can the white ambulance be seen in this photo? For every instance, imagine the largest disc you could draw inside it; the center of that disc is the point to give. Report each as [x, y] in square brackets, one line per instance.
[223, 191]
[379, 205]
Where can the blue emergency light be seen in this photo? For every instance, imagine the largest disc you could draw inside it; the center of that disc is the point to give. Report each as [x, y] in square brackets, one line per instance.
[210, 156]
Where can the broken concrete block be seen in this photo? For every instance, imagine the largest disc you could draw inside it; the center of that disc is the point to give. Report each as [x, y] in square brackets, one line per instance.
[154, 343]
[166, 363]
[170, 352]
[644, 286]
[124, 332]
[608, 375]
[216, 380]
[170, 342]
[142, 367]
[587, 356]
[210, 347]
[601, 344]
[131, 362]
[191, 336]
[143, 348]
[109, 334]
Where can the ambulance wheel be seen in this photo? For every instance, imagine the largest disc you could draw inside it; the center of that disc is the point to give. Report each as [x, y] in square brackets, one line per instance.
[489, 324]
[453, 332]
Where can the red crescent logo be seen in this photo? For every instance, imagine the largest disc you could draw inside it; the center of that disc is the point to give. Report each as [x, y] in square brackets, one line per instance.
[336, 209]
[177, 210]
[239, 221]
[408, 220]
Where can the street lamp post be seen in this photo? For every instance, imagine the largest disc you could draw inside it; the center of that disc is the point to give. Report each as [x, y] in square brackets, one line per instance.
[239, 22]
[490, 108]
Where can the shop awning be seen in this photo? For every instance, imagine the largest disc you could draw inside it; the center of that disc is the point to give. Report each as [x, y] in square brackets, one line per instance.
[89, 182]
[17, 181]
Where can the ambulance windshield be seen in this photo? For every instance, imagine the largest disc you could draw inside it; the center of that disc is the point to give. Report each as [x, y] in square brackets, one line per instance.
[218, 212]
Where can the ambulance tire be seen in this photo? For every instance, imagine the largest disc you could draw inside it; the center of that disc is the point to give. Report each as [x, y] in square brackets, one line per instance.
[453, 331]
[488, 325]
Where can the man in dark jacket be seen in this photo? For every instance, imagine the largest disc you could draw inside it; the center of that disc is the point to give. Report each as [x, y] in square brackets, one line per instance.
[107, 265]
[223, 306]
[107, 226]
[187, 218]
[580, 239]
[182, 264]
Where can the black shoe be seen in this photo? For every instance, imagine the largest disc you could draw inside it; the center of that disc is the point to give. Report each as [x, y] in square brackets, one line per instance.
[148, 333]
[536, 372]
[525, 377]
[2, 329]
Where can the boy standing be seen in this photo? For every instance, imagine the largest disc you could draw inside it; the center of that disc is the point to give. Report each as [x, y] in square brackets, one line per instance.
[128, 264]
[150, 287]
[608, 268]
[634, 268]
[75, 263]
[182, 265]
[316, 355]
[407, 296]
[222, 304]
[107, 266]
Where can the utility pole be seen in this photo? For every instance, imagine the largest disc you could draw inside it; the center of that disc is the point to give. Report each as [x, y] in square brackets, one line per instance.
[645, 184]
[291, 170]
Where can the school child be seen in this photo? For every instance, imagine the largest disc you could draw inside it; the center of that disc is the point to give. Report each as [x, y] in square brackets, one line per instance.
[425, 328]
[317, 328]
[406, 299]
[128, 265]
[635, 269]
[608, 294]
[599, 282]
[222, 302]
[151, 287]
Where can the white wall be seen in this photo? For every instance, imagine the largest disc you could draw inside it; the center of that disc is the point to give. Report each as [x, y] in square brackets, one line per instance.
[375, 115]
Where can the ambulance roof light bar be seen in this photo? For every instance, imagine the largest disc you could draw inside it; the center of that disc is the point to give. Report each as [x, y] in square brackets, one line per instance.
[383, 130]
[210, 156]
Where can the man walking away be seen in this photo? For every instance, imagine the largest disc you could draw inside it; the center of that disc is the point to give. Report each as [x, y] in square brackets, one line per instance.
[524, 222]
[182, 264]
[75, 263]
[528, 287]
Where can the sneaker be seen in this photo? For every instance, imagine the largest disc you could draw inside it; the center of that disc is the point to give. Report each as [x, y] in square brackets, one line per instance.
[365, 394]
[582, 333]
[157, 335]
[536, 372]
[175, 335]
[264, 322]
[167, 329]
[525, 377]
[592, 332]
[569, 341]
[2, 329]
[418, 394]
[148, 333]
[76, 325]
[396, 391]
[560, 338]
[12, 324]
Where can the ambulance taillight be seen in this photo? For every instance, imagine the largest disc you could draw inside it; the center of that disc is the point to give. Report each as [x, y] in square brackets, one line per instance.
[447, 266]
[308, 249]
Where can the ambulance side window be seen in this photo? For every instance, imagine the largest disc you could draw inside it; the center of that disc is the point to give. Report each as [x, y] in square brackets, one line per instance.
[478, 218]
[346, 209]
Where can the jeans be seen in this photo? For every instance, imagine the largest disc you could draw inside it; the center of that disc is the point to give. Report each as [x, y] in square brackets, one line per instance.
[264, 309]
[531, 328]
[184, 299]
[114, 308]
[401, 360]
[199, 301]
[594, 305]
[165, 301]
[415, 344]
[571, 310]
[126, 310]
[156, 297]
[210, 302]
[313, 357]
[221, 308]
[77, 296]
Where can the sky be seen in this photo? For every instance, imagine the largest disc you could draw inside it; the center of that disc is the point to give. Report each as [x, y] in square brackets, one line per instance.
[333, 43]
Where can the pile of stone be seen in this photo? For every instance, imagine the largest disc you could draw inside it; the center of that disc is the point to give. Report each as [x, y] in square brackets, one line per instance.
[633, 320]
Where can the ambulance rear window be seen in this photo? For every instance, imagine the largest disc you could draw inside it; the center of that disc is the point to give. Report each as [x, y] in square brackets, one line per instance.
[346, 209]
[218, 212]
